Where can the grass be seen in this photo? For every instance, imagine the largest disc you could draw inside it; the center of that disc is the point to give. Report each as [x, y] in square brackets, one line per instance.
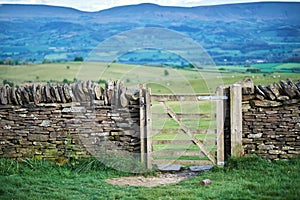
[244, 178]
[177, 81]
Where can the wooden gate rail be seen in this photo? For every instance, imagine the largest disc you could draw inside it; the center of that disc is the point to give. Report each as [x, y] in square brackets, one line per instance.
[234, 111]
[146, 127]
[187, 131]
[183, 97]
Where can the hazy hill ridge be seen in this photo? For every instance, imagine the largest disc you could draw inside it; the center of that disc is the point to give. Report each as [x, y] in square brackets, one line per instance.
[237, 32]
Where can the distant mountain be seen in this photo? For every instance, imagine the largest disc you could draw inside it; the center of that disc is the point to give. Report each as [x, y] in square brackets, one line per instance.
[229, 33]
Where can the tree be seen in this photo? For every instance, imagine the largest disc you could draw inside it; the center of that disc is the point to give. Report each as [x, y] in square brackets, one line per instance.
[11, 84]
[78, 59]
[166, 73]
[47, 61]
[253, 70]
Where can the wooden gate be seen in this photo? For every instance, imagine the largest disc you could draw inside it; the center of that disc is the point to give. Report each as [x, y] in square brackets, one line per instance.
[182, 128]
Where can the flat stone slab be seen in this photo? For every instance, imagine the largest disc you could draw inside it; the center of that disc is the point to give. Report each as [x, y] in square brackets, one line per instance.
[202, 168]
[166, 167]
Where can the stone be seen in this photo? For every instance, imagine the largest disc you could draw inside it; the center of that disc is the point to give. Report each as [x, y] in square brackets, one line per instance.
[258, 135]
[294, 152]
[123, 99]
[248, 97]
[202, 168]
[74, 110]
[38, 94]
[18, 96]
[283, 98]
[49, 98]
[287, 89]
[247, 86]
[55, 93]
[45, 123]
[13, 96]
[245, 107]
[168, 167]
[265, 147]
[67, 92]
[293, 87]
[61, 93]
[97, 92]
[274, 90]
[25, 95]
[267, 92]
[260, 97]
[3, 96]
[259, 92]
[298, 85]
[265, 103]
[78, 92]
[276, 152]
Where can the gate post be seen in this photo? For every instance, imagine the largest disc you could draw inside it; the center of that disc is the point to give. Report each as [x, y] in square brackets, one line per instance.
[220, 115]
[142, 123]
[236, 120]
[148, 128]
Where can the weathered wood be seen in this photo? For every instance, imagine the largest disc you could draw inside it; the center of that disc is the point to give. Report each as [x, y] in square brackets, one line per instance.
[186, 142]
[184, 162]
[148, 126]
[187, 131]
[176, 97]
[179, 131]
[177, 153]
[220, 118]
[142, 124]
[236, 120]
[182, 115]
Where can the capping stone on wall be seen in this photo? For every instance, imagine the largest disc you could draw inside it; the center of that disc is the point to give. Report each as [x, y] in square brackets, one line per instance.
[271, 119]
[61, 121]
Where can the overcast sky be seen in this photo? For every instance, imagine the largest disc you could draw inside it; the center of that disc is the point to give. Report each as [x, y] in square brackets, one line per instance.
[96, 5]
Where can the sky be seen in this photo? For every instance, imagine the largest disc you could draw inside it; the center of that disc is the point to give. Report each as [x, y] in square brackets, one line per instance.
[96, 5]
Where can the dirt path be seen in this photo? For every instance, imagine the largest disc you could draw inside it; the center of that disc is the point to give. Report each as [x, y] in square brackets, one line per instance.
[152, 181]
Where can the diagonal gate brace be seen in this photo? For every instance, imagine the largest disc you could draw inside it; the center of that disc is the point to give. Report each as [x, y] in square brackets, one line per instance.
[188, 132]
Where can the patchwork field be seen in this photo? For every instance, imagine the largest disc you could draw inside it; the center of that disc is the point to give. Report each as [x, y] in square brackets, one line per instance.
[159, 79]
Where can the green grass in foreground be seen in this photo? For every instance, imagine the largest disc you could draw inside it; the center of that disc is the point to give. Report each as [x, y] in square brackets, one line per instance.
[245, 178]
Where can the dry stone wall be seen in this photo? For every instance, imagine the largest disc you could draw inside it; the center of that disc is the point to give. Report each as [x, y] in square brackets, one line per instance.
[271, 119]
[68, 121]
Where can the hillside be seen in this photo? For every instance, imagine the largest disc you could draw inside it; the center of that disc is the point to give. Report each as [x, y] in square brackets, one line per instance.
[231, 34]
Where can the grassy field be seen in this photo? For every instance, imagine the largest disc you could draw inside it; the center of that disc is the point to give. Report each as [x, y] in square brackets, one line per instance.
[245, 178]
[159, 79]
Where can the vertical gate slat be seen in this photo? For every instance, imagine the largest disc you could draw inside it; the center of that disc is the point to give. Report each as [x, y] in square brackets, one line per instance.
[142, 123]
[236, 120]
[148, 128]
[220, 127]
